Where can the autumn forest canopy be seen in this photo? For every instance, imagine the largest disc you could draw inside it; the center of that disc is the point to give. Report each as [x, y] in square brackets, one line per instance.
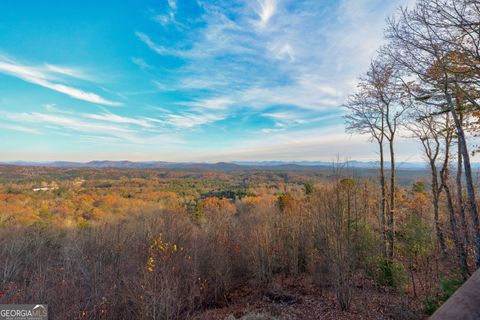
[283, 241]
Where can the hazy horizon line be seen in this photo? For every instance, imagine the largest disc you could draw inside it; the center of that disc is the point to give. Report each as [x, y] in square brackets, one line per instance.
[200, 161]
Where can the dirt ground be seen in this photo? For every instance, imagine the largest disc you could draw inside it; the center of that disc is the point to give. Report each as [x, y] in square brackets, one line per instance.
[300, 298]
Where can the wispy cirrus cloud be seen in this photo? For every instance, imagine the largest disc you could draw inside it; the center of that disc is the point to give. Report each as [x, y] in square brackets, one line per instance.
[311, 144]
[67, 122]
[141, 63]
[113, 118]
[168, 16]
[50, 76]
[217, 77]
[217, 103]
[285, 120]
[302, 49]
[152, 45]
[67, 71]
[20, 128]
[266, 11]
[104, 129]
[166, 127]
[284, 51]
[190, 119]
[238, 63]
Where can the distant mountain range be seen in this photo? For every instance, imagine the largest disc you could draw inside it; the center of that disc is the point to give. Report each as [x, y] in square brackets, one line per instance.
[351, 164]
[234, 165]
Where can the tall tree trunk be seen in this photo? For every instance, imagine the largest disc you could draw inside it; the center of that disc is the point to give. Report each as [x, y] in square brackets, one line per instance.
[391, 222]
[461, 205]
[459, 249]
[472, 204]
[383, 200]
[435, 201]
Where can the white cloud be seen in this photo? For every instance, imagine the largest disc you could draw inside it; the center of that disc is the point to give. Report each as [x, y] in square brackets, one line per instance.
[146, 39]
[46, 77]
[110, 117]
[141, 63]
[280, 115]
[285, 51]
[294, 119]
[310, 49]
[259, 56]
[163, 50]
[218, 103]
[76, 93]
[190, 120]
[18, 128]
[106, 129]
[67, 122]
[50, 106]
[172, 4]
[67, 71]
[267, 10]
[168, 16]
[320, 144]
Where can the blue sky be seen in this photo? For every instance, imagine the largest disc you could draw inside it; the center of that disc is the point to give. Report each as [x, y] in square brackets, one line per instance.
[184, 80]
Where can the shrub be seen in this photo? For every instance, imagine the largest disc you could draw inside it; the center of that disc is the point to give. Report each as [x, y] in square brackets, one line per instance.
[419, 186]
[415, 237]
[366, 246]
[389, 273]
[448, 286]
[309, 188]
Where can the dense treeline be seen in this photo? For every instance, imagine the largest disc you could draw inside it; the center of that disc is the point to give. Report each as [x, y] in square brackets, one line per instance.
[171, 261]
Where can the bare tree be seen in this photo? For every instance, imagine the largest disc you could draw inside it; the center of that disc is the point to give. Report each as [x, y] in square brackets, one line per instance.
[428, 130]
[377, 109]
[365, 116]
